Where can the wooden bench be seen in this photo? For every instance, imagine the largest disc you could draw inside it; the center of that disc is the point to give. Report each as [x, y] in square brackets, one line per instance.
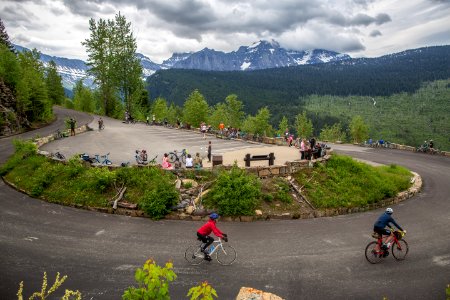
[248, 158]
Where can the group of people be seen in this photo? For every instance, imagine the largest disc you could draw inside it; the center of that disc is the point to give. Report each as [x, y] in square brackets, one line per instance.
[191, 162]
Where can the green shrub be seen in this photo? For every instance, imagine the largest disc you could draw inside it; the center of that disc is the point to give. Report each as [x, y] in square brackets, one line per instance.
[101, 178]
[203, 291]
[153, 282]
[282, 193]
[157, 202]
[235, 193]
[44, 293]
[267, 197]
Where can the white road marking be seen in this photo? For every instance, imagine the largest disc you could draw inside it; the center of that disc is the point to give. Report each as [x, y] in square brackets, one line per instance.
[442, 261]
[100, 232]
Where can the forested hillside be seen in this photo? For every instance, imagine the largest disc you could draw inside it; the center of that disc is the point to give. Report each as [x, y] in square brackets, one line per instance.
[383, 76]
[404, 118]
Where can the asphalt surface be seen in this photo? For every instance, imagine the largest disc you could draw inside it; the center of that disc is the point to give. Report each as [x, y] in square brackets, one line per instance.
[296, 259]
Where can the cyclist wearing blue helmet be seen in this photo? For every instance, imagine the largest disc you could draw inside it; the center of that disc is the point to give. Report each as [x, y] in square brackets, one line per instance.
[380, 226]
[204, 232]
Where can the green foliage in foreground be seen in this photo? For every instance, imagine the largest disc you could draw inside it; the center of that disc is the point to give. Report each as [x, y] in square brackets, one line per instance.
[153, 282]
[235, 193]
[344, 182]
[44, 293]
[75, 184]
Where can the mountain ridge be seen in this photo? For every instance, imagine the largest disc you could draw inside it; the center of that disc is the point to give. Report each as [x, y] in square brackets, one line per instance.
[260, 55]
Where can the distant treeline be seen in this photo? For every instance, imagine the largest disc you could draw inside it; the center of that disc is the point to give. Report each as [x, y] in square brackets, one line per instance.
[383, 76]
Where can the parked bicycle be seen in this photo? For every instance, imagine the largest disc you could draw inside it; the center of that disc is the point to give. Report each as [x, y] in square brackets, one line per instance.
[225, 254]
[58, 155]
[105, 159]
[58, 135]
[375, 253]
[174, 155]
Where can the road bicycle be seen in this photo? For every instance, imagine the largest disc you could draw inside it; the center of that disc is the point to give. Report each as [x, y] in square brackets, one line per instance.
[174, 155]
[375, 253]
[225, 254]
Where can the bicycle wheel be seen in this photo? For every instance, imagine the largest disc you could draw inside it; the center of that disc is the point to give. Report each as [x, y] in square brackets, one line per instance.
[372, 255]
[226, 255]
[183, 159]
[400, 250]
[193, 255]
[172, 157]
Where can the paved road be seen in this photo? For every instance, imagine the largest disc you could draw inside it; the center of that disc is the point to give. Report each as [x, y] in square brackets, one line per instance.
[297, 259]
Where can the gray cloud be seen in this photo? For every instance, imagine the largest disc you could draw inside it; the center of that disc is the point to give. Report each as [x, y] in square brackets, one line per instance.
[88, 8]
[375, 33]
[382, 18]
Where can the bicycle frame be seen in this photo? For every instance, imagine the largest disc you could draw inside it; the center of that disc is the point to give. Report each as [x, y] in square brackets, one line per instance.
[394, 241]
[219, 244]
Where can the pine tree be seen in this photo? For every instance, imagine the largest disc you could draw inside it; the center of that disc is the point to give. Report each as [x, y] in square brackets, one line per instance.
[54, 86]
[4, 38]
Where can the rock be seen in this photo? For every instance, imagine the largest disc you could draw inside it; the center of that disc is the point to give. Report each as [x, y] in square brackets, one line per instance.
[190, 210]
[246, 218]
[193, 182]
[258, 212]
[246, 293]
[178, 184]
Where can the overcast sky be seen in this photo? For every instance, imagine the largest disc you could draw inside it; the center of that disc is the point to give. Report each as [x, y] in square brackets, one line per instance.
[367, 28]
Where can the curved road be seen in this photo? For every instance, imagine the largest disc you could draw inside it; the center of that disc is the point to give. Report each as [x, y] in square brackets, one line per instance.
[296, 259]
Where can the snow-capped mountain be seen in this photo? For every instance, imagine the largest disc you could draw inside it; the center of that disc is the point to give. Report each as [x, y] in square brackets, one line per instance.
[175, 58]
[260, 55]
[72, 70]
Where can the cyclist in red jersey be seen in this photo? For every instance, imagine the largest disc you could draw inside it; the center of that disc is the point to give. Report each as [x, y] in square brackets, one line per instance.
[204, 232]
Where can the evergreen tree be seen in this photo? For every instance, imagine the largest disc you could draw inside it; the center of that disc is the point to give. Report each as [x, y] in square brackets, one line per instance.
[195, 109]
[4, 38]
[83, 98]
[9, 67]
[358, 129]
[303, 125]
[54, 86]
[32, 98]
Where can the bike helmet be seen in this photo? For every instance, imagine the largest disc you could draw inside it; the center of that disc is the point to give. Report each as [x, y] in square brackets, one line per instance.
[213, 216]
[389, 210]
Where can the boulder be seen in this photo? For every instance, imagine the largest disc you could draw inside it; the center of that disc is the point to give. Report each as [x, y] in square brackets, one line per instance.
[246, 293]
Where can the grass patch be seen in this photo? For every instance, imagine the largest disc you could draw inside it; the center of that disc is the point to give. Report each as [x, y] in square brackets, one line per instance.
[344, 182]
[72, 183]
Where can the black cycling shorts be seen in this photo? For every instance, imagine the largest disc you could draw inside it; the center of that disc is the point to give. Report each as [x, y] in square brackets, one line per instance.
[382, 231]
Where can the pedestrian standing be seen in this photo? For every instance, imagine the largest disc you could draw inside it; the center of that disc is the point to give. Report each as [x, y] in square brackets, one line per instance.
[209, 151]
[72, 123]
[148, 120]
